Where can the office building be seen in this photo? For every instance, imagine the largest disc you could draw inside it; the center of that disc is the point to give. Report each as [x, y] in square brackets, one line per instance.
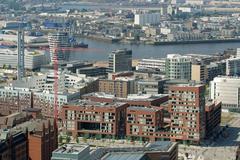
[157, 65]
[144, 122]
[233, 66]
[187, 113]
[59, 44]
[147, 18]
[226, 90]
[159, 150]
[150, 86]
[93, 71]
[120, 60]
[120, 87]
[94, 119]
[178, 67]
[32, 60]
[215, 69]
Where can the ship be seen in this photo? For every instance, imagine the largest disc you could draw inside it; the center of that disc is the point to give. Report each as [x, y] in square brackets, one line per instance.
[80, 45]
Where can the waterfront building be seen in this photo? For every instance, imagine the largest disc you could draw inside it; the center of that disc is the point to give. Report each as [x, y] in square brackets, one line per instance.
[147, 18]
[32, 60]
[178, 67]
[120, 60]
[59, 44]
[93, 71]
[226, 90]
[157, 65]
[187, 113]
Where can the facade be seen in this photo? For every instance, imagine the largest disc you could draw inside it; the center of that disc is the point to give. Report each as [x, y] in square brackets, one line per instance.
[14, 145]
[95, 119]
[147, 18]
[58, 43]
[143, 122]
[120, 60]
[226, 89]
[32, 138]
[14, 100]
[199, 72]
[93, 71]
[233, 66]
[119, 88]
[157, 65]
[213, 117]
[32, 60]
[150, 86]
[152, 151]
[187, 113]
[178, 67]
[215, 69]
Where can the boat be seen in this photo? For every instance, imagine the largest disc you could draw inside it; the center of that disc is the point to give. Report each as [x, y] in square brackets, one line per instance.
[80, 45]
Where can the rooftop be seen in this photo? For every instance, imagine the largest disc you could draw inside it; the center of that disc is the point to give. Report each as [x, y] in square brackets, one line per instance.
[71, 149]
[148, 109]
[88, 103]
[123, 156]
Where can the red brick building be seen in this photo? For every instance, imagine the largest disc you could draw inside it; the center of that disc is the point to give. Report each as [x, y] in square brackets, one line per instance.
[95, 119]
[144, 122]
[187, 112]
[213, 117]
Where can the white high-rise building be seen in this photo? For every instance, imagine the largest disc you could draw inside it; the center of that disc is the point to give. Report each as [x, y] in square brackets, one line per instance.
[227, 90]
[59, 44]
[178, 66]
[147, 18]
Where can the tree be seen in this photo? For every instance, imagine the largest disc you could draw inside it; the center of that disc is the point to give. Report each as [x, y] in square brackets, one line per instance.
[77, 140]
[68, 139]
[60, 139]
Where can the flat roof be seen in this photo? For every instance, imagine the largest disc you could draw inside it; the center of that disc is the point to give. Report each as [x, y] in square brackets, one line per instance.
[96, 104]
[149, 109]
[71, 149]
[123, 156]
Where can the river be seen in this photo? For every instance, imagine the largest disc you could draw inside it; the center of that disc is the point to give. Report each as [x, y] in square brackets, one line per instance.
[99, 50]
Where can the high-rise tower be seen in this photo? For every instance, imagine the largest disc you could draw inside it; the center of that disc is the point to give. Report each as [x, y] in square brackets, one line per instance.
[20, 46]
[58, 44]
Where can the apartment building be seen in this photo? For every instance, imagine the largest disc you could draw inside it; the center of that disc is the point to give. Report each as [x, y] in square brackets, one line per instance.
[178, 67]
[120, 87]
[187, 113]
[150, 86]
[213, 117]
[95, 119]
[143, 122]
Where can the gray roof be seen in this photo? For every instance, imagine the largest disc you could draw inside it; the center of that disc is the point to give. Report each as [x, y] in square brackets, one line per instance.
[124, 156]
